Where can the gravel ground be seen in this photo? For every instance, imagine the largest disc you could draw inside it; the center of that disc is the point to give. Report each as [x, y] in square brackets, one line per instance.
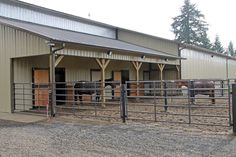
[60, 137]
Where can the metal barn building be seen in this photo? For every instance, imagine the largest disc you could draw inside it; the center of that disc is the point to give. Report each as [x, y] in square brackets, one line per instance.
[40, 45]
[201, 63]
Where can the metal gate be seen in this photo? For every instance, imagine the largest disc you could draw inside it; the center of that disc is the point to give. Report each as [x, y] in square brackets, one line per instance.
[199, 102]
[86, 99]
[32, 98]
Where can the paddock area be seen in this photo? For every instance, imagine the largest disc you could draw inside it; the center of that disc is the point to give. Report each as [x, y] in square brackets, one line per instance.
[165, 102]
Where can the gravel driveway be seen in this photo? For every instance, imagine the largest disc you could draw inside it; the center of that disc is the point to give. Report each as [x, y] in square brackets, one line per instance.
[61, 138]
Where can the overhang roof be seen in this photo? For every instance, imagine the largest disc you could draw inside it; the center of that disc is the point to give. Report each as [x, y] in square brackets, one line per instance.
[61, 35]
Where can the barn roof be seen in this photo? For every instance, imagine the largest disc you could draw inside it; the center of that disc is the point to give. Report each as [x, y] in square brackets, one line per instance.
[62, 35]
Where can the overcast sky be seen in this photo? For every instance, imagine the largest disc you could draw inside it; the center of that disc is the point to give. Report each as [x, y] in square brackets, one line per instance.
[151, 16]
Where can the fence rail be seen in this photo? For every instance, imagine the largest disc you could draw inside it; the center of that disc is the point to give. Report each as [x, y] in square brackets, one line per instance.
[31, 98]
[202, 102]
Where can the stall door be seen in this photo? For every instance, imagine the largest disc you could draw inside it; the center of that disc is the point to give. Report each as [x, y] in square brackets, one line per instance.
[41, 87]
[117, 77]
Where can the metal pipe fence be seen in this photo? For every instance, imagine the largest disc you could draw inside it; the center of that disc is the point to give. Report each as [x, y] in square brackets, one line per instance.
[86, 99]
[32, 98]
[200, 102]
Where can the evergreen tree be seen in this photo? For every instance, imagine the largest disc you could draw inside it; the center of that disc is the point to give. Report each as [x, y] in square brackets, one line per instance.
[217, 46]
[231, 50]
[190, 27]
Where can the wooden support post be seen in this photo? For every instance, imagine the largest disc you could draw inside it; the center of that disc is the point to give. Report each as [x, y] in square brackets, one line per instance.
[103, 63]
[137, 66]
[52, 81]
[58, 60]
[178, 72]
[161, 68]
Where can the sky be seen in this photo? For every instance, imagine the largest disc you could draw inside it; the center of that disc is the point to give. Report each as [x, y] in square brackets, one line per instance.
[152, 17]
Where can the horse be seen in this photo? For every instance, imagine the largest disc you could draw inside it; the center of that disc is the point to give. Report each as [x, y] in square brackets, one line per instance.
[209, 85]
[86, 87]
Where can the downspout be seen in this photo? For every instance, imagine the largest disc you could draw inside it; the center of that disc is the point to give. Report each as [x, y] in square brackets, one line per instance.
[52, 76]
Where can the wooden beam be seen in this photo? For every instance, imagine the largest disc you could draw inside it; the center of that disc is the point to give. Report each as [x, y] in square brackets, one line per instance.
[103, 63]
[58, 60]
[161, 68]
[137, 66]
[99, 63]
[52, 82]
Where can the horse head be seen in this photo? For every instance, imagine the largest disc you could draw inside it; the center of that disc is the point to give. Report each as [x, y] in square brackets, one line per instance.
[182, 83]
[109, 82]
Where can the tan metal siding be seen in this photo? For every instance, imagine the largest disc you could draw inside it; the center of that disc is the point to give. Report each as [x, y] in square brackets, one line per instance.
[232, 68]
[22, 70]
[20, 43]
[148, 41]
[76, 68]
[200, 65]
[5, 70]
[169, 74]
[79, 68]
[29, 45]
[23, 74]
[45, 18]
[23, 67]
[15, 43]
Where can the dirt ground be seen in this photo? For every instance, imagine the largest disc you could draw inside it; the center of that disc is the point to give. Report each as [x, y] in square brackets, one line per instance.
[205, 116]
[70, 138]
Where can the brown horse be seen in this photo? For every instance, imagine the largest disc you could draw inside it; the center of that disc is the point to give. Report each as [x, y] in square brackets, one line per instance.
[204, 87]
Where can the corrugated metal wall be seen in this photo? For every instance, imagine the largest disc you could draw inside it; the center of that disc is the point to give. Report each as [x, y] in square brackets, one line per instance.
[23, 67]
[76, 68]
[15, 43]
[148, 41]
[201, 65]
[168, 74]
[91, 53]
[232, 68]
[30, 15]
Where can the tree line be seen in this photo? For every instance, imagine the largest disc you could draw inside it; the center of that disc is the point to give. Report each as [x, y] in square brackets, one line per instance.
[191, 28]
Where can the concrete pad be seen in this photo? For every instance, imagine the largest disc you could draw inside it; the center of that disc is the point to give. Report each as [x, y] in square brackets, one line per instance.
[22, 118]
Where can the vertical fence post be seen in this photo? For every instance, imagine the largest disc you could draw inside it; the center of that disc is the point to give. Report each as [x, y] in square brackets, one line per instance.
[165, 95]
[96, 95]
[234, 107]
[155, 103]
[24, 96]
[123, 103]
[229, 102]
[50, 101]
[190, 100]
[14, 97]
[222, 86]
[73, 98]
